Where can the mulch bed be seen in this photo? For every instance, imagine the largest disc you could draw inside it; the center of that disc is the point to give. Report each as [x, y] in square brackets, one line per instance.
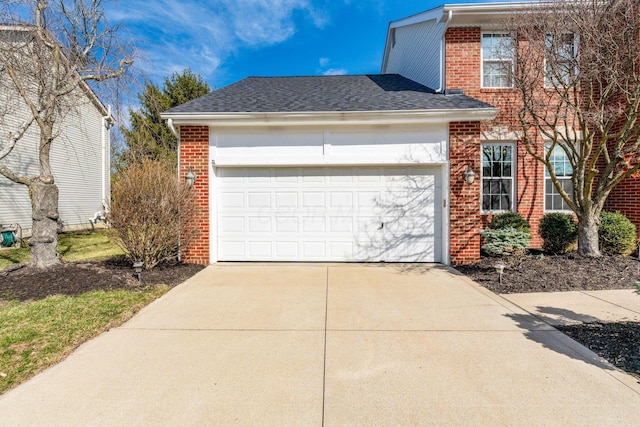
[543, 273]
[76, 278]
[617, 342]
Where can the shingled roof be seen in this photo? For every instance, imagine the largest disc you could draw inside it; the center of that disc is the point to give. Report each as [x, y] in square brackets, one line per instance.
[379, 92]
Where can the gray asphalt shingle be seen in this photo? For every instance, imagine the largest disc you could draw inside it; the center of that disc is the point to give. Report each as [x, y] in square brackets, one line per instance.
[377, 92]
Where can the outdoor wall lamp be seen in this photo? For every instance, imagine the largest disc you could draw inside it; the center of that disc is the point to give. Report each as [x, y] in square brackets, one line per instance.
[469, 175]
[190, 178]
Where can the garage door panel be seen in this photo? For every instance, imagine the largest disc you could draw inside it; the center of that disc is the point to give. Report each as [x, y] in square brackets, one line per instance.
[259, 250]
[287, 250]
[341, 224]
[259, 224]
[258, 200]
[286, 200]
[287, 224]
[231, 200]
[231, 224]
[230, 250]
[313, 199]
[329, 214]
[314, 225]
[314, 250]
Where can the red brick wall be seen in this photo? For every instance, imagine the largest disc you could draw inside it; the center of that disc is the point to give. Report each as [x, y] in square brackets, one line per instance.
[463, 71]
[625, 198]
[464, 199]
[194, 153]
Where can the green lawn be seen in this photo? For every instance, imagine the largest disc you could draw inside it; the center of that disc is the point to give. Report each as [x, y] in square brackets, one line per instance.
[72, 247]
[37, 334]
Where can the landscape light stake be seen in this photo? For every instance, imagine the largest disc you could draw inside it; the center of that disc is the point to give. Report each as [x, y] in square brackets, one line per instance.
[137, 268]
[499, 269]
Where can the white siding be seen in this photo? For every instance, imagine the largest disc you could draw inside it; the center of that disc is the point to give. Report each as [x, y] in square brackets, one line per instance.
[415, 53]
[364, 145]
[77, 161]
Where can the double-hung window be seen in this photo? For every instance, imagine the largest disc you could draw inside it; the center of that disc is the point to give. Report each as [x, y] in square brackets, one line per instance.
[563, 170]
[498, 174]
[560, 59]
[497, 60]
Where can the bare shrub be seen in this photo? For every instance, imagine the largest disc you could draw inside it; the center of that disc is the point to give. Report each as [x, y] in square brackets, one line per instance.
[152, 213]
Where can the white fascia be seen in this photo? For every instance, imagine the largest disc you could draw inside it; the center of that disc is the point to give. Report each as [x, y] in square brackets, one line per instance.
[332, 118]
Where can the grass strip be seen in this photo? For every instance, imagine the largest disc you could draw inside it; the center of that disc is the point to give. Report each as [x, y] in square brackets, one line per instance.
[37, 334]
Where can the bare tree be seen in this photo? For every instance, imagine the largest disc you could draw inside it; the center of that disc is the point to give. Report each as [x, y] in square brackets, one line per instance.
[51, 51]
[577, 80]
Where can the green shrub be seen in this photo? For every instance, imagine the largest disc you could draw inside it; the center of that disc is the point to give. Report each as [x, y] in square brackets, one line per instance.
[505, 241]
[559, 231]
[617, 235]
[510, 219]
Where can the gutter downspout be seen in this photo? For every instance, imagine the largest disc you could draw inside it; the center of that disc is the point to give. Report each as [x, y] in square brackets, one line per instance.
[177, 135]
[173, 129]
[106, 122]
[442, 53]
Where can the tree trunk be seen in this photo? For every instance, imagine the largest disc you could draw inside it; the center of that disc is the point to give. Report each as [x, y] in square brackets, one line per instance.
[44, 238]
[588, 236]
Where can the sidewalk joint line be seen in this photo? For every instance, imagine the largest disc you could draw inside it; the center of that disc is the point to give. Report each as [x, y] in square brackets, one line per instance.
[324, 359]
[608, 302]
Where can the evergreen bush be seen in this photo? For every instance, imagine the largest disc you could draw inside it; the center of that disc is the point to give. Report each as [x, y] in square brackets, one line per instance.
[559, 232]
[505, 241]
[617, 235]
[510, 219]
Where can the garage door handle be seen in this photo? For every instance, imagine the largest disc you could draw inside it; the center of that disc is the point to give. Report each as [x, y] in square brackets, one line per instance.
[381, 226]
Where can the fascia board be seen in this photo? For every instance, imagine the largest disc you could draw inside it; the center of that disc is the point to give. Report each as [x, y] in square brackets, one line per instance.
[332, 118]
[431, 14]
[491, 7]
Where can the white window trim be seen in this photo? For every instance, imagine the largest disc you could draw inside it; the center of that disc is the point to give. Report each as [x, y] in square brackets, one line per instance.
[497, 33]
[576, 42]
[514, 176]
[544, 192]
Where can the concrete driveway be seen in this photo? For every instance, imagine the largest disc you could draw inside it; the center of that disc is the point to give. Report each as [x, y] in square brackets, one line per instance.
[328, 345]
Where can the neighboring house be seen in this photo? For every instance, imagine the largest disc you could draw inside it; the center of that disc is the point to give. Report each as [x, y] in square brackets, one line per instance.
[366, 168]
[458, 46]
[80, 161]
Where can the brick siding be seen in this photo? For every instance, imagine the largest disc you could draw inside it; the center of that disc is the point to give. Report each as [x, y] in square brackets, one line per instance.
[464, 199]
[194, 154]
[625, 198]
[463, 71]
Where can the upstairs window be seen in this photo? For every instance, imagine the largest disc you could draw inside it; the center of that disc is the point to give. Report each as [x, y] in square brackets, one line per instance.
[497, 60]
[560, 60]
[498, 173]
[553, 201]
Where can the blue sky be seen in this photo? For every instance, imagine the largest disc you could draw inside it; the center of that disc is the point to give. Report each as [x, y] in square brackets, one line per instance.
[227, 40]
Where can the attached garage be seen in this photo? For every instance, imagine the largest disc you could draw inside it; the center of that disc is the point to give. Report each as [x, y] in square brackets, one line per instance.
[329, 214]
[332, 168]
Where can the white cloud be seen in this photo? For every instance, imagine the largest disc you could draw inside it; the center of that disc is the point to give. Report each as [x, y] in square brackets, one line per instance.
[323, 62]
[335, 72]
[177, 34]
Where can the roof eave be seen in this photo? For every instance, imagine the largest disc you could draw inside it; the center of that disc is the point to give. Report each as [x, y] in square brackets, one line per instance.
[309, 118]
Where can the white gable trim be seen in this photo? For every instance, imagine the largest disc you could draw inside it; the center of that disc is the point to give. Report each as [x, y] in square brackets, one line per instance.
[331, 118]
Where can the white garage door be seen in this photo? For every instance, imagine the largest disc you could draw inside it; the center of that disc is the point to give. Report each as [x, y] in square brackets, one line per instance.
[329, 214]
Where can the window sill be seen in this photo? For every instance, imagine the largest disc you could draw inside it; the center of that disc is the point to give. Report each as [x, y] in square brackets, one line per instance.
[496, 89]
